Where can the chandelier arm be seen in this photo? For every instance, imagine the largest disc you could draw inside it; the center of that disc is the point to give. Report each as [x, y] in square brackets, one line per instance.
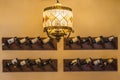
[69, 34]
[63, 31]
[47, 33]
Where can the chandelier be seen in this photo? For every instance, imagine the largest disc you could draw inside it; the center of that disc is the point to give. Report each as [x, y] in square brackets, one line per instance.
[58, 21]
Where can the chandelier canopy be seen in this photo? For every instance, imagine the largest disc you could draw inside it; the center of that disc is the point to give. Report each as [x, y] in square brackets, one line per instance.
[58, 21]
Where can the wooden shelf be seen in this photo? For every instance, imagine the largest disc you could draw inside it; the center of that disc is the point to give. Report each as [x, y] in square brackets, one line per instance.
[33, 68]
[52, 45]
[89, 67]
[86, 46]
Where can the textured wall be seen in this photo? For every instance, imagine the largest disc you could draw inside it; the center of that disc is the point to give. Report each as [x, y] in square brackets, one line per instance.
[91, 17]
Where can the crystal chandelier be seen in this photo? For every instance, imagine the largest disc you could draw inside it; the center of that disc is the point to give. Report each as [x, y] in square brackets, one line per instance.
[58, 21]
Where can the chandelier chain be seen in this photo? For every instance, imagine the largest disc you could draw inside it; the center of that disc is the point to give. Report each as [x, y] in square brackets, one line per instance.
[57, 1]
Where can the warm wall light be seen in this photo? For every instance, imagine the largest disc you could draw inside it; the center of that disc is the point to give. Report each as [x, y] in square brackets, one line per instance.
[58, 21]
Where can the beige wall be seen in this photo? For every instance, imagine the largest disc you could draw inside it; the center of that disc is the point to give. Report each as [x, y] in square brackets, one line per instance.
[91, 17]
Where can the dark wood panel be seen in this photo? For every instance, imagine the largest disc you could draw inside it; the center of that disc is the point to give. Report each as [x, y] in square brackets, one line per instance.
[86, 46]
[52, 45]
[89, 67]
[31, 68]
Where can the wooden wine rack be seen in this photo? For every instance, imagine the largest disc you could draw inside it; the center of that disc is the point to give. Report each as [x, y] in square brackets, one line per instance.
[35, 46]
[33, 68]
[86, 46]
[86, 67]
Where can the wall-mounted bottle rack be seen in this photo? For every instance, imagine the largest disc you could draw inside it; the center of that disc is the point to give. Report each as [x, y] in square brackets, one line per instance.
[90, 64]
[91, 43]
[26, 43]
[30, 65]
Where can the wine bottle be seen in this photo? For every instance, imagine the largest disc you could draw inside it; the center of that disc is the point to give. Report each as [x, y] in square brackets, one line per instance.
[110, 63]
[12, 64]
[22, 63]
[89, 40]
[22, 41]
[29, 63]
[34, 40]
[37, 40]
[28, 42]
[110, 39]
[9, 42]
[76, 40]
[25, 41]
[8, 65]
[49, 62]
[48, 41]
[75, 62]
[99, 40]
[86, 61]
[39, 62]
[15, 62]
[18, 42]
[111, 60]
[98, 62]
[80, 41]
